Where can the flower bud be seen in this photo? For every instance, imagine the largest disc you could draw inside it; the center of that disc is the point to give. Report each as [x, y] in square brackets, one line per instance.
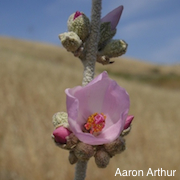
[70, 41]
[114, 48]
[115, 147]
[106, 34]
[60, 119]
[101, 158]
[60, 134]
[79, 23]
[72, 158]
[113, 17]
[127, 126]
[83, 151]
[128, 121]
[108, 26]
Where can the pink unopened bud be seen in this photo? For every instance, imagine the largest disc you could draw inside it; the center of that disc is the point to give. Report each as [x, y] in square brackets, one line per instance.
[77, 13]
[113, 17]
[60, 134]
[128, 121]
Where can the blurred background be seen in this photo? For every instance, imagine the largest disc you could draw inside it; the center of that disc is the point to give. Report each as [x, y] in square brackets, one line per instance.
[35, 70]
[151, 28]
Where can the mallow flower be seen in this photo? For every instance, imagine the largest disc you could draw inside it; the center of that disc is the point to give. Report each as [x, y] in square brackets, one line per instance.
[98, 111]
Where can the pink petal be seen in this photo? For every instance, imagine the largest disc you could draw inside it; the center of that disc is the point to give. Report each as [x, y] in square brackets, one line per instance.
[116, 102]
[128, 121]
[60, 134]
[81, 100]
[113, 17]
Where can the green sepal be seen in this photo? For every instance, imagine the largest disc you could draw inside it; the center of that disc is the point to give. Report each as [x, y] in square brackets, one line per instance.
[106, 34]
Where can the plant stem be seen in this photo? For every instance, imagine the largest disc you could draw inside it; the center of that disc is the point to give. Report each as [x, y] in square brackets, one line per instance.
[92, 43]
[81, 167]
[89, 67]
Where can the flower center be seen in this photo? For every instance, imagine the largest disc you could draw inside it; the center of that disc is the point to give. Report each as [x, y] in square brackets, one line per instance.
[95, 123]
[77, 13]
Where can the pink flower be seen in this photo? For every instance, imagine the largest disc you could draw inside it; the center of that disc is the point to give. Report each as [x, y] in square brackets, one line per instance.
[128, 121]
[60, 134]
[113, 17]
[97, 112]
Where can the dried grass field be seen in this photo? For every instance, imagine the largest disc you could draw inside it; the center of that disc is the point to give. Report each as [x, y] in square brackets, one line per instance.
[33, 77]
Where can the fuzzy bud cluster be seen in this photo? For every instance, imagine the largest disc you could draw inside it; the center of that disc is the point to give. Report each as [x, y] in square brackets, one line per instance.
[78, 150]
[79, 28]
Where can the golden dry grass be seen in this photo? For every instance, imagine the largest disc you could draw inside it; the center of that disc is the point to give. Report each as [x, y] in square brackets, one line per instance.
[33, 78]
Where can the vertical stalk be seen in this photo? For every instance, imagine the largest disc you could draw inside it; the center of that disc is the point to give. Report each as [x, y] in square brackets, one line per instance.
[92, 43]
[89, 67]
[81, 167]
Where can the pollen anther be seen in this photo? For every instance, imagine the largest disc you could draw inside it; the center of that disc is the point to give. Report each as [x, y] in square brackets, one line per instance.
[95, 123]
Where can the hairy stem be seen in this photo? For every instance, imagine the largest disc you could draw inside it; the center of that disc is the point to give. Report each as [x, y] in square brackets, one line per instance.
[81, 167]
[89, 67]
[92, 43]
